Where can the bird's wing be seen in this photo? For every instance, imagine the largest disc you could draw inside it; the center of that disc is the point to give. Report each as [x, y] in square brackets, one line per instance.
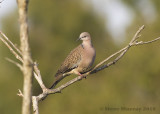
[72, 61]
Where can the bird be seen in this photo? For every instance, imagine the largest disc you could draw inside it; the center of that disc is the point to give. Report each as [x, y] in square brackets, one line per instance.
[79, 60]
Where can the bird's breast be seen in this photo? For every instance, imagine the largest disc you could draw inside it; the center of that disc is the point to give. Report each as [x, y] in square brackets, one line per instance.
[87, 58]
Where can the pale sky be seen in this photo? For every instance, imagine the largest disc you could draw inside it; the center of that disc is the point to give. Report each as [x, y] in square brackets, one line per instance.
[7, 6]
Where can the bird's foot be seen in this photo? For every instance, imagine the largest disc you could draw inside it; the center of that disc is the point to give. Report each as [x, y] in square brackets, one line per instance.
[79, 74]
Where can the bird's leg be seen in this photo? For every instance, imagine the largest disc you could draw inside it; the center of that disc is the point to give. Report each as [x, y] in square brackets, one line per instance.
[78, 73]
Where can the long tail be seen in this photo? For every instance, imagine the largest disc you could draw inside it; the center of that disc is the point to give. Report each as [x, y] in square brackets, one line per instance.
[58, 79]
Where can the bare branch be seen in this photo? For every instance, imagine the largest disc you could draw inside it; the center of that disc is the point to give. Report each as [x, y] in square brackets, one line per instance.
[110, 63]
[14, 46]
[26, 55]
[136, 36]
[35, 105]
[111, 56]
[14, 62]
[38, 77]
[10, 48]
[37, 74]
[141, 42]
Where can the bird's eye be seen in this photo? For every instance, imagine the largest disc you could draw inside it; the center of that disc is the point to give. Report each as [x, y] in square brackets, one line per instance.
[84, 36]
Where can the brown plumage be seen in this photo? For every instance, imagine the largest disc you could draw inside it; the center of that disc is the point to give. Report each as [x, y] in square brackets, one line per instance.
[79, 59]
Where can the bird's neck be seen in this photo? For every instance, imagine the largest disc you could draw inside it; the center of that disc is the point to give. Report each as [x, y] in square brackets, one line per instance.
[87, 44]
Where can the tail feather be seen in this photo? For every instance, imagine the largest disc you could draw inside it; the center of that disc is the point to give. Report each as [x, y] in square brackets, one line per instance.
[58, 79]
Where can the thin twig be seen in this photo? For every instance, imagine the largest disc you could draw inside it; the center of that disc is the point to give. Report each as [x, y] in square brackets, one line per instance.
[108, 58]
[16, 63]
[14, 46]
[38, 77]
[35, 66]
[11, 49]
[36, 70]
[147, 42]
[110, 63]
[136, 36]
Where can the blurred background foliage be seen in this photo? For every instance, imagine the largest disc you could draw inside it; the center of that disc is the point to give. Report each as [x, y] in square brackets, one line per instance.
[54, 26]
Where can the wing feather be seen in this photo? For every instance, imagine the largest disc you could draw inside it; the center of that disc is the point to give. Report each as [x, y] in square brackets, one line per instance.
[71, 62]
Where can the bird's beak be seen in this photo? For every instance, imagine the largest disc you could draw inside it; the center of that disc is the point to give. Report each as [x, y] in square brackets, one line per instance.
[78, 39]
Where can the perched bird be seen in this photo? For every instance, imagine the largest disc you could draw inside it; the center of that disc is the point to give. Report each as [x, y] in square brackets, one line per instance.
[79, 59]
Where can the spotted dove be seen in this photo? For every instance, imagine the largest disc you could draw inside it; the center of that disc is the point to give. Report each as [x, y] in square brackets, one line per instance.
[79, 59]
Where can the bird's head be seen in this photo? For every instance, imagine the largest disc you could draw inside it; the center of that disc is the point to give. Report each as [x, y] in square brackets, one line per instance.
[84, 36]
